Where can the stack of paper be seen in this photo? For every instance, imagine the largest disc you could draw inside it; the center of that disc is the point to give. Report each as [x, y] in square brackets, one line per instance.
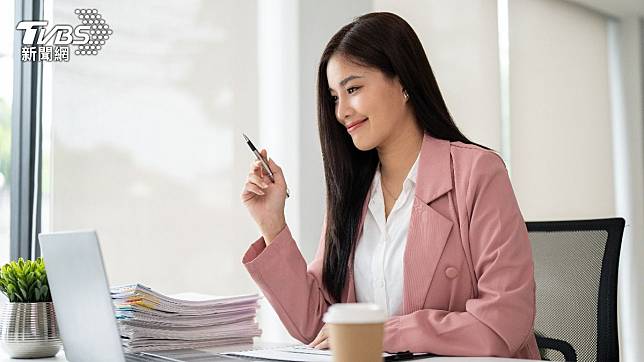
[149, 320]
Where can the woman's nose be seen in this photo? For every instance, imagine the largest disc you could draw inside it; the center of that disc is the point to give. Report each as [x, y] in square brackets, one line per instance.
[343, 111]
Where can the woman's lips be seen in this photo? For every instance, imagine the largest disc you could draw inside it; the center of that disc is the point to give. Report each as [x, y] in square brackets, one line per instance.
[352, 128]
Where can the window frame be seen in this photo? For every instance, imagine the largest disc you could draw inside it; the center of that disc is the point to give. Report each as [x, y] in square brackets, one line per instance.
[26, 145]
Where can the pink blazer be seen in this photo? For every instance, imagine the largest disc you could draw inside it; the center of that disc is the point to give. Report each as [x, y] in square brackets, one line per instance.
[469, 286]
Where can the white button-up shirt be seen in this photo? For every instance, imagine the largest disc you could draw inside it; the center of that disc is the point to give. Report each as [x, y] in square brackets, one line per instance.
[378, 265]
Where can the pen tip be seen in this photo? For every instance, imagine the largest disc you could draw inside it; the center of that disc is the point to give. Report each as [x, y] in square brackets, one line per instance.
[245, 137]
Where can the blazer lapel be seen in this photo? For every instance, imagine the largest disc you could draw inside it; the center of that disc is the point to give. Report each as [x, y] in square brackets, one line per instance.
[428, 229]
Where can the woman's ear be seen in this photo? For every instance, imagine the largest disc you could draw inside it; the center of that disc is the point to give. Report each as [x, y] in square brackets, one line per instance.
[396, 80]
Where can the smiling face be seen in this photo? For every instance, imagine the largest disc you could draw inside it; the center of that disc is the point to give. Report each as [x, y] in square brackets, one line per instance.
[362, 93]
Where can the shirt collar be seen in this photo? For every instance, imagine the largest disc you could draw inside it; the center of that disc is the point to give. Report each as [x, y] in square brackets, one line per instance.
[414, 170]
[411, 177]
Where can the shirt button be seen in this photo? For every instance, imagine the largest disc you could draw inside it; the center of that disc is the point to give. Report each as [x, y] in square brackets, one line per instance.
[381, 283]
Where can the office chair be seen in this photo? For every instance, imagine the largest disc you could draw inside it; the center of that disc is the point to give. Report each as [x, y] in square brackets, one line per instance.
[575, 269]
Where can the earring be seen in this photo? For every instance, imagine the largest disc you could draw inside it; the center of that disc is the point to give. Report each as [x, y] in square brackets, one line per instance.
[405, 94]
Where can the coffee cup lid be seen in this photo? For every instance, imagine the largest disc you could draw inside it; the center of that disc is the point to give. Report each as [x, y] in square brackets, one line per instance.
[354, 313]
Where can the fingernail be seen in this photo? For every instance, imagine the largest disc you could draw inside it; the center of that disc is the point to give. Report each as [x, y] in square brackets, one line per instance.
[264, 185]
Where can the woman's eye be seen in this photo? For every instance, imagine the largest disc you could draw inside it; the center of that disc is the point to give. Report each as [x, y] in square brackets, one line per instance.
[352, 89]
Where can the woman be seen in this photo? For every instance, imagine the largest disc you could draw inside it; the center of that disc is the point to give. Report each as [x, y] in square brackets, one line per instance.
[419, 219]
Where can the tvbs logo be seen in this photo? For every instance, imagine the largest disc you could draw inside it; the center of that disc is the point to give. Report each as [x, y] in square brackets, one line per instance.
[43, 44]
[61, 33]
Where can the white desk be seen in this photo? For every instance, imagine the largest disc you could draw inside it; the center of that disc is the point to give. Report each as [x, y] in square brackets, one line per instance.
[259, 343]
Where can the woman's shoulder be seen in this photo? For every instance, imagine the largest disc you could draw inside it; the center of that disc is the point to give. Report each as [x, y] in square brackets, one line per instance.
[475, 159]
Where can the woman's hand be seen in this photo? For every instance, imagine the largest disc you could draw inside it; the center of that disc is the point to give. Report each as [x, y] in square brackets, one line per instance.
[322, 340]
[265, 199]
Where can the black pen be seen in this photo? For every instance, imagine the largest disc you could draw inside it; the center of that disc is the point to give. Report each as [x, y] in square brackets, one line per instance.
[262, 161]
[403, 356]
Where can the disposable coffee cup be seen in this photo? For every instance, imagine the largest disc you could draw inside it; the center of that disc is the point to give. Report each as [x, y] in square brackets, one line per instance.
[355, 331]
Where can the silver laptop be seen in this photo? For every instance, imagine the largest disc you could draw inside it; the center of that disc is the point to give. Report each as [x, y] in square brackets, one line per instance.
[84, 311]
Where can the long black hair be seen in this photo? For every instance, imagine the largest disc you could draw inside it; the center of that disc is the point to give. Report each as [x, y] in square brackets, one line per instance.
[386, 42]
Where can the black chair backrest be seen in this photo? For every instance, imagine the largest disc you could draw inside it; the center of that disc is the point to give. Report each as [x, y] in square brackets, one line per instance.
[575, 267]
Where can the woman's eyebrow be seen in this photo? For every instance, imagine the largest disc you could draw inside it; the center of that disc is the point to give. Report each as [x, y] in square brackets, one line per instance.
[345, 80]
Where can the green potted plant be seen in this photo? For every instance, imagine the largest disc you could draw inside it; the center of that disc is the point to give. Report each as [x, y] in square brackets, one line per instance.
[28, 326]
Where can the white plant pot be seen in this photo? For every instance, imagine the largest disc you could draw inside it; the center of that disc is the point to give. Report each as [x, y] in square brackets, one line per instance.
[29, 330]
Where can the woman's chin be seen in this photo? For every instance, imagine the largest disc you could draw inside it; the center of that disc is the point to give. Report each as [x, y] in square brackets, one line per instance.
[362, 144]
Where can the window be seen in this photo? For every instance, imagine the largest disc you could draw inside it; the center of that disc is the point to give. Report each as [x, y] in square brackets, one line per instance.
[142, 142]
[146, 147]
[6, 92]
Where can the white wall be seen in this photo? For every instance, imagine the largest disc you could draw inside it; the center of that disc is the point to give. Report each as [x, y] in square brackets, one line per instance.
[562, 165]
